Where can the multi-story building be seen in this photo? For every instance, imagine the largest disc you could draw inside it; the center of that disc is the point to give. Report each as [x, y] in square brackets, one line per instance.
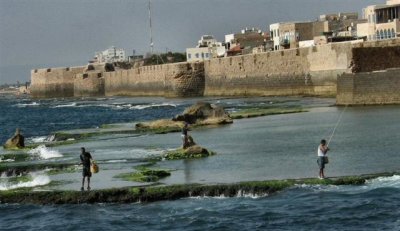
[110, 55]
[382, 21]
[287, 35]
[245, 41]
[207, 48]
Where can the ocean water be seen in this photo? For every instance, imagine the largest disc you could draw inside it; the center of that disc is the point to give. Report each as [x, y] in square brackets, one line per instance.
[275, 147]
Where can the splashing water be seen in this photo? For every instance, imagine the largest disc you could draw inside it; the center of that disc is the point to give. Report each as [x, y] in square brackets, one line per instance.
[45, 153]
[38, 180]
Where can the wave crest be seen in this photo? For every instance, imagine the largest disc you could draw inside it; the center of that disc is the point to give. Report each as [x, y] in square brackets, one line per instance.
[45, 153]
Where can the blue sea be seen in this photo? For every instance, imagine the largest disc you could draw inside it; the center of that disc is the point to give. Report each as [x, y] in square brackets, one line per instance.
[272, 147]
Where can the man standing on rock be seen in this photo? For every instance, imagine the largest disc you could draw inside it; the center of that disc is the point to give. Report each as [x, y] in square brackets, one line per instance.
[185, 130]
[86, 160]
[322, 158]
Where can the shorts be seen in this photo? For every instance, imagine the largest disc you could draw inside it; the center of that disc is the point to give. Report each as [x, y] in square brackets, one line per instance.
[86, 172]
[321, 162]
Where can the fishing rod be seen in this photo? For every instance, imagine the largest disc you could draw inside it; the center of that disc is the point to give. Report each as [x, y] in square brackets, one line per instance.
[337, 123]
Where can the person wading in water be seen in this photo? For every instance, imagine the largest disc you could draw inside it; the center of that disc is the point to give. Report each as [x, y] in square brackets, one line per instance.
[86, 159]
[322, 158]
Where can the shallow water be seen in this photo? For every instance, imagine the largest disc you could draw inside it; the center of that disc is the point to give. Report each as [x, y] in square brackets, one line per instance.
[272, 147]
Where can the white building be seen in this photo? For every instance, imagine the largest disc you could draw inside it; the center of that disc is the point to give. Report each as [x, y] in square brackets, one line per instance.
[274, 33]
[207, 48]
[383, 21]
[110, 55]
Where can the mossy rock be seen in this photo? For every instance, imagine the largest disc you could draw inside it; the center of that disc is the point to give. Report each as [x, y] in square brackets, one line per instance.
[14, 157]
[145, 175]
[257, 112]
[160, 126]
[170, 192]
[192, 152]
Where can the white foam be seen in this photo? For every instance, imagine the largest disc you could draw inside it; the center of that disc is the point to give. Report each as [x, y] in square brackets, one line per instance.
[384, 182]
[45, 153]
[6, 160]
[39, 139]
[33, 104]
[116, 161]
[140, 107]
[38, 180]
[244, 194]
[380, 182]
[65, 105]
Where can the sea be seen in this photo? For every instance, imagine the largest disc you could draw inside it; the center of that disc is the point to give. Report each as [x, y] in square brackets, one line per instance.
[366, 141]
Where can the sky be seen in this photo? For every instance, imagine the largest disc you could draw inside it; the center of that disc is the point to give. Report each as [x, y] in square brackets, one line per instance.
[62, 33]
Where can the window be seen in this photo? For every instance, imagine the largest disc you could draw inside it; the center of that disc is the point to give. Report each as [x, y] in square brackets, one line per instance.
[197, 55]
[202, 55]
[189, 56]
[207, 55]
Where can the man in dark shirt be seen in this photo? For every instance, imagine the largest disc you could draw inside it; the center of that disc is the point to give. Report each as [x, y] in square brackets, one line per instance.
[86, 159]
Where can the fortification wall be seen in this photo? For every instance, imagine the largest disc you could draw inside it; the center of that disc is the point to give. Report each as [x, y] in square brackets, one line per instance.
[171, 80]
[89, 84]
[383, 55]
[304, 71]
[381, 87]
[54, 82]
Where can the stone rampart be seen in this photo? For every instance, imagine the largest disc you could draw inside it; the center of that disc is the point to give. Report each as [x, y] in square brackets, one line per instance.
[89, 84]
[171, 80]
[380, 87]
[303, 71]
[54, 82]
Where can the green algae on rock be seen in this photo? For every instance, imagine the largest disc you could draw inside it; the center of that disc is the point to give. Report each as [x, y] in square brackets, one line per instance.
[194, 151]
[257, 112]
[161, 126]
[14, 157]
[145, 175]
[171, 192]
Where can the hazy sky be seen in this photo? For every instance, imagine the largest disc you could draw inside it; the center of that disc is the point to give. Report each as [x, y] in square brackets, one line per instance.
[57, 33]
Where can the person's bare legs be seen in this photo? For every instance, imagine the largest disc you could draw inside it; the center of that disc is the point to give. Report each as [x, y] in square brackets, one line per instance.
[321, 173]
[83, 183]
[88, 183]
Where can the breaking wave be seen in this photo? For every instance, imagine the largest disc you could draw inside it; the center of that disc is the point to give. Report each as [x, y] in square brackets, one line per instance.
[380, 182]
[45, 153]
[33, 104]
[65, 105]
[37, 180]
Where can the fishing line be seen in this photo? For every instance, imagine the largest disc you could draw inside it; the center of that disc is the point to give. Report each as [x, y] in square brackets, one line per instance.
[337, 123]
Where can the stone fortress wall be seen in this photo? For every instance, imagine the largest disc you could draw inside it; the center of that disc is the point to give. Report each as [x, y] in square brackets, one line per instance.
[368, 88]
[374, 76]
[303, 71]
[169, 80]
[54, 82]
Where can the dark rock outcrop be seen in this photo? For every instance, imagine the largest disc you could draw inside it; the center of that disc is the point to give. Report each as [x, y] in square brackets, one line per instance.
[17, 141]
[204, 113]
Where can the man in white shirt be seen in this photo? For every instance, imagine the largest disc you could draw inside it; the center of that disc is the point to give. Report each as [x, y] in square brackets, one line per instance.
[322, 151]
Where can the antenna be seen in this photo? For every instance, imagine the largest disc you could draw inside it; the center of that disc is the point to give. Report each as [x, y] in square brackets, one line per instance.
[151, 30]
